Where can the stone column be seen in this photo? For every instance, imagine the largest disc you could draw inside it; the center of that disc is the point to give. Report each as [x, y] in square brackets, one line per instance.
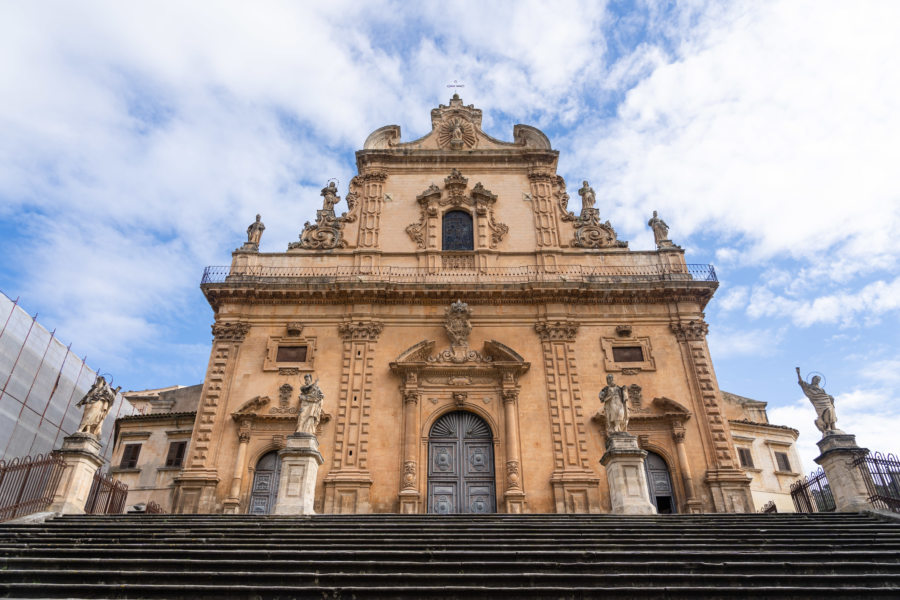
[232, 504]
[409, 492]
[300, 460]
[624, 462]
[692, 505]
[515, 495]
[81, 452]
[847, 482]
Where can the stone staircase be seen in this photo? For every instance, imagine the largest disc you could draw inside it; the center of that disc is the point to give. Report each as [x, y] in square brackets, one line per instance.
[458, 556]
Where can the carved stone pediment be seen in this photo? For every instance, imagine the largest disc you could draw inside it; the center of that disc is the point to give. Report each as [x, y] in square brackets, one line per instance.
[493, 356]
[250, 407]
[457, 127]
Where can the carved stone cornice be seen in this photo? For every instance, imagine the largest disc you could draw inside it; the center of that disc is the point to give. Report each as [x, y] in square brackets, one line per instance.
[556, 330]
[361, 330]
[540, 173]
[230, 332]
[692, 331]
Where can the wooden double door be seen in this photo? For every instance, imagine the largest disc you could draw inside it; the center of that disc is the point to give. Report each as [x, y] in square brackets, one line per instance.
[265, 484]
[461, 465]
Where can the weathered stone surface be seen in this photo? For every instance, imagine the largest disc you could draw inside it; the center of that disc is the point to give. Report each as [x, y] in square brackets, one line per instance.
[300, 461]
[625, 475]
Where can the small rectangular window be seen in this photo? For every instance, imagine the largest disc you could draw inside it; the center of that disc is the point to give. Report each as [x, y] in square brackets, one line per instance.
[291, 354]
[746, 457]
[784, 464]
[176, 454]
[130, 455]
[628, 354]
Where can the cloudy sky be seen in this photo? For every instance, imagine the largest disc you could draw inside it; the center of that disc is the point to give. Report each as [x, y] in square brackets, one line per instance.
[138, 140]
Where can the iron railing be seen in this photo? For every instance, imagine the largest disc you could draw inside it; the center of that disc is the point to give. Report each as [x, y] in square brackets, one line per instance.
[28, 484]
[812, 493]
[882, 476]
[107, 496]
[153, 508]
[769, 508]
[523, 274]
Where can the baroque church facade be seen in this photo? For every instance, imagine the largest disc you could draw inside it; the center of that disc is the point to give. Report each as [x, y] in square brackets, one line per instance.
[460, 315]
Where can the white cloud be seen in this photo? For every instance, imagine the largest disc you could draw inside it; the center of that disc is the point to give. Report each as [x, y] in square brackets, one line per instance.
[729, 342]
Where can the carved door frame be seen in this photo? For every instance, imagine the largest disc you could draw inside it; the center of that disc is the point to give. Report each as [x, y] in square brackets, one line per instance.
[485, 383]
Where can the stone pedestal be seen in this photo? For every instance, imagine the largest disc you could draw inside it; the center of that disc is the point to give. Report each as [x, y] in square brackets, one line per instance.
[624, 462]
[81, 452]
[848, 486]
[300, 460]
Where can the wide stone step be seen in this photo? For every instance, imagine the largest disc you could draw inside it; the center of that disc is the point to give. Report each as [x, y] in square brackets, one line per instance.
[280, 592]
[520, 578]
[758, 565]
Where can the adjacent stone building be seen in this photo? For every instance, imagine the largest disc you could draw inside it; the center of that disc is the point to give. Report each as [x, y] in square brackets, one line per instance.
[767, 452]
[150, 445]
[460, 314]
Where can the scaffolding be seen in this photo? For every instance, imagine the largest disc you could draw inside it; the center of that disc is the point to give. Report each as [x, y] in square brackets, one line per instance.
[41, 380]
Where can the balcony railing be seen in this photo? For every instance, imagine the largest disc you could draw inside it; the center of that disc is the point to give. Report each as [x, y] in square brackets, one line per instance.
[523, 274]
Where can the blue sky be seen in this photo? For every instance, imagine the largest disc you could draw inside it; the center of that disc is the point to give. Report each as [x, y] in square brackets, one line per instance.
[138, 140]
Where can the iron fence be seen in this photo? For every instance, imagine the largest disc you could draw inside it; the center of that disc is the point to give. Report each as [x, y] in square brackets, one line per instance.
[28, 484]
[107, 495]
[154, 509]
[812, 493]
[769, 508]
[882, 476]
[400, 275]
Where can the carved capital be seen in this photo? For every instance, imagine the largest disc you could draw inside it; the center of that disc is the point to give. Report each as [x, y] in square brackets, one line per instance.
[244, 436]
[692, 331]
[678, 434]
[556, 330]
[411, 397]
[375, 176]
[230, 332]
[510, 396]
[361, 330]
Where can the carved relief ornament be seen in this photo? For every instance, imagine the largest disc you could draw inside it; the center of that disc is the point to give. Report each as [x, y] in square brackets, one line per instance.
[361, 330]
[558, 330]
[480, 199]
[234, 332]
[327, 233]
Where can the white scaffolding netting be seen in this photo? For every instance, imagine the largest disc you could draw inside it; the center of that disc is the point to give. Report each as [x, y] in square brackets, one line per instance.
[41, 380]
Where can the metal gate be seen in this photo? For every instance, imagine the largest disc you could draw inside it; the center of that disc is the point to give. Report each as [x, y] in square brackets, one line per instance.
[265, 484]
[461, 465]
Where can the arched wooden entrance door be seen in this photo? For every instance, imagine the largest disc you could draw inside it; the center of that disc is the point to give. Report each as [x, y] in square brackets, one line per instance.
[265, 484]
[461, 465]
[661, 493]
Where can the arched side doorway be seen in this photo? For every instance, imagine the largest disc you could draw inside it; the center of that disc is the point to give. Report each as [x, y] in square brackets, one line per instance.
[265, 484]
[662, 494]
[461, 465]
[457, 232]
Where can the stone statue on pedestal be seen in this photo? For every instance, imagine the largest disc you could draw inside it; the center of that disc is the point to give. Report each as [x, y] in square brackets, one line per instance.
[826, 420]
[660, 231]
[615, 406]
[254, 232]
[311, 398]
[587, 196]
[96, 404]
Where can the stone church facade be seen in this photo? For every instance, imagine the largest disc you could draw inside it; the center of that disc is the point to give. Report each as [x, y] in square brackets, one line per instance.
[460, 315]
